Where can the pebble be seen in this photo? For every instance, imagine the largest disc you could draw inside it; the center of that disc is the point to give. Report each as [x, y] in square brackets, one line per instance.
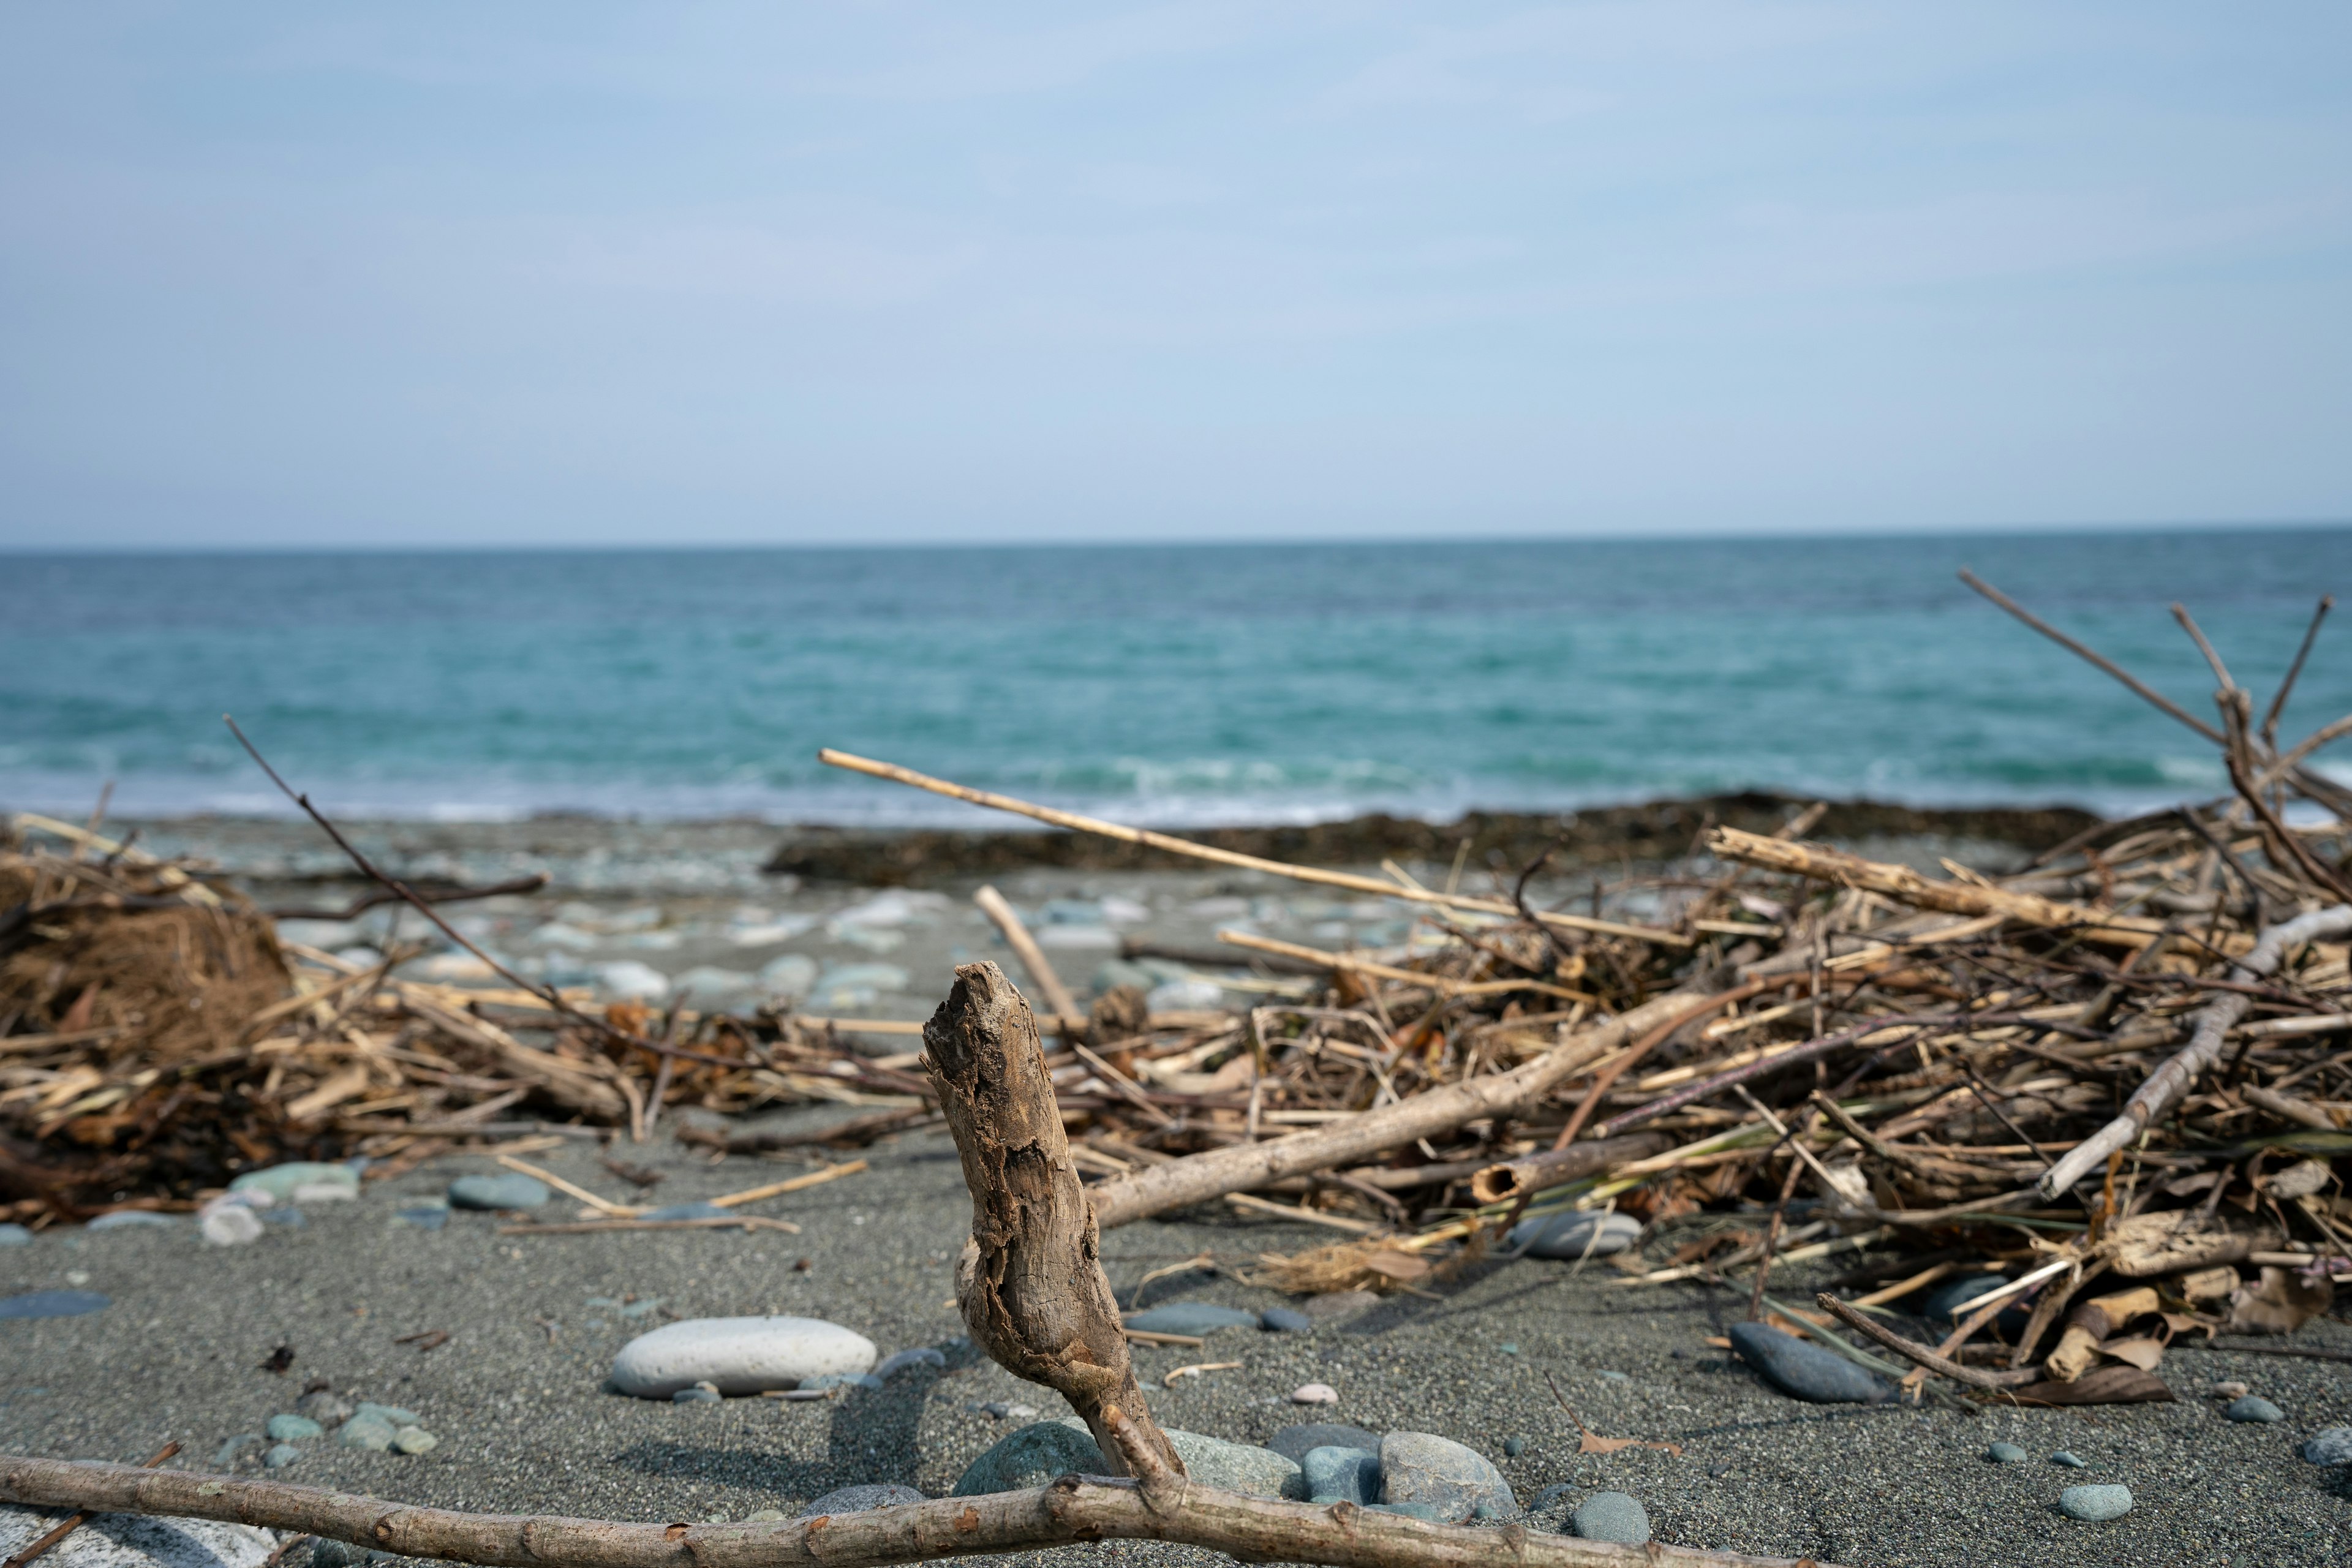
[857, 1499]
[414, 1440]
[700, 1394]
[1236, 1467]
[2226, 1390]
[134, 1541]
[511, 1191]
[423, 1216]
[1191, 1318]
[899, 1361]
[1573, 1235]
[1439, 1473]
[2096, 1503]
[1612, 1516]
[1616, 1377]
[229, 1225]
[13, 1235]
[54, 1304]
[2333, 1447]
[366, 1430]
[325, 1407]
[131, 1220]
[1284, 1321]
[2253, 1407]
[1341, 1474]
[1030, 1457]
[2064, 1458]
[1294, 1442]
[280, 1456]
[294, 1428]
[1315, 1393]
[300, 1180]
[1338, 1303]
[1514, 1447]
[1804, 1370]
[2007, 1454]
[738, 1355]
[1507, 1348]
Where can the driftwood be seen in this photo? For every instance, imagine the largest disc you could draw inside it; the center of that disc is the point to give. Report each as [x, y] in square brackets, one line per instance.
[1072, 1509]
[1516, 1179]
[1245, 1166]
[2168, 1082]
[1030, 1281]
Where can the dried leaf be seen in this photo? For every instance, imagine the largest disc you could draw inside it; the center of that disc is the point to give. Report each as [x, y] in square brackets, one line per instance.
[2282, 1302]
[2106, 1385]
[2141, 1352]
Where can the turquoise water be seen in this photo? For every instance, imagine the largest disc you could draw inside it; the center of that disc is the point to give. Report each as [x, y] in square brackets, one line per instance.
[1174, 685]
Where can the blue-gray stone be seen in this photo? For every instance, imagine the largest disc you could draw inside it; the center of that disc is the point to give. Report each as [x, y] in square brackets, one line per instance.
[14, 1236]
[1030, 1457]
[1514, 1447]
[511, 1191]
[841, 1380]
[2007, 1454]
[687, 1211]
[1293, 1442]
[394, 1415]
[2254, 1407]
[2333, 1447]
[1241, 1468]
[1939, 1304]
[1285, 1321]
[1341, 1474]
[281, 1181]
[2095, 1504]
[423, 1216]
[294, 1428]
[1804, 1370]
[1191, 1318]
[1573, 1235]
[2064, 1458]
[367, 1431]
[280, 1456]
[54, 1304]
[1422, 1468]
[857, 1499]
[1612, 1516]
[899, 1361]
[289, 1219]
[695, 1396]
[132, 1219]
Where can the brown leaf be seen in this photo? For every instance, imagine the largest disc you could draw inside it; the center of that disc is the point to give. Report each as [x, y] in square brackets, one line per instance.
[2141, 1352]
[2281, 1303]
[2106, 1385]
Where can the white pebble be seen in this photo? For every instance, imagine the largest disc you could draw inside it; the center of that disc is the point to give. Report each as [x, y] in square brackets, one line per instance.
[1315, 1393]
[738, 1355]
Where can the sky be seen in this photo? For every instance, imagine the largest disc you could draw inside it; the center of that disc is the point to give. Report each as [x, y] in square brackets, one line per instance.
[279, 274]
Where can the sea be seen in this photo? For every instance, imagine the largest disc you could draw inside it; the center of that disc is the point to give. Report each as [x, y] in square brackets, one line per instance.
[1166, 685]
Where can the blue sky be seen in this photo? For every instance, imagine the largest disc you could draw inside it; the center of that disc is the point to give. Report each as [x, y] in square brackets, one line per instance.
[582, 274]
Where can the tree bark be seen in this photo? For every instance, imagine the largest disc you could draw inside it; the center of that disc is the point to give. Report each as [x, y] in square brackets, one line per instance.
[1072, 1509]
[1244, 1166]
[1030, 1281]
[1520, 1178]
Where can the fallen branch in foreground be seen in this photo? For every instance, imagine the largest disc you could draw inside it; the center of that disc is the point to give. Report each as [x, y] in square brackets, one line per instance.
[1072, 1509]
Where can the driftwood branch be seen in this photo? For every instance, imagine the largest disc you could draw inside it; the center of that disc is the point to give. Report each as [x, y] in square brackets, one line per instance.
[1975, 1376]
[1244, 1166]
[1030, 1281]
[1072, 1509]
[1521, 1178]
[2170, 1081]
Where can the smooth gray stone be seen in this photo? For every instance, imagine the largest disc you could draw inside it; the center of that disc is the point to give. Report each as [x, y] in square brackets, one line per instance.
[1191, 1318]
[898, 1362]
[281, 1455]
[739, 1355]
[135, 1541]
[132, 1219]
[1612, 1516]
[1241, 1468]
[2333, 1447]
[513, 1190]
[394, 1415]
[54, 1304]
[1514, 1447]
[371, 1432]
[1804, 1370]
[1936, 1306]
[294, 1428]
[1030, 1457]
[414, 1440]
[281, 1181]
[687, 1211]
[2007, 1454]
[1439, 1473]
[857, 1499]
[1285, 1321]
[2063, 1458]
[1569, 1236]
[2095, 1504]
[14, 1235]
[2254, 1407]
[423, 1216]
[1341, 1474]
[1293, 1442]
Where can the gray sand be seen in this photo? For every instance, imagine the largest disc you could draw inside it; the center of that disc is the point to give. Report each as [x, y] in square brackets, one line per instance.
[515, 1394]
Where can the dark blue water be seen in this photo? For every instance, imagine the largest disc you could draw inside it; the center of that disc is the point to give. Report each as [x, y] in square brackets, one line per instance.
[1216, 683]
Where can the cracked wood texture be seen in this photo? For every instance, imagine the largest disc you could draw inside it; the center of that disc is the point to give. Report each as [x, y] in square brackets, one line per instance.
[1030, 1281]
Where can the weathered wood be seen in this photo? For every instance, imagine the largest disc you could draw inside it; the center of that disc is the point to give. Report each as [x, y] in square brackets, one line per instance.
[1030, 1281]
[1519, 1178]
[1072, 1509]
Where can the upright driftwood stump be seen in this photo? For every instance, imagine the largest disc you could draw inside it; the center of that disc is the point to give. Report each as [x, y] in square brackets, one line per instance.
[1030, 1281]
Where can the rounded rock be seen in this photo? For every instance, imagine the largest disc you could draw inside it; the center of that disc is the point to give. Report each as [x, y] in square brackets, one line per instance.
[2095, 1504]
[414, 1440]
[513, 1190]
[1421, 1467]
[1294, 1442]
[2332, 1447]
[294, 1428]
[1514, 1447]
[1612, 1516]
[1806, 1371]
[2254, 1407]
[1315, 1393]
[14, 1235]
[2072, 1462]
[1284, 1321]
[738, 1355]
[54, 1304]
[1570, 1237]
[2007, 1454]
[280, 1456]
[1191, 1318]
[366, 1430]
[1030, 1457]
[1341, 1474]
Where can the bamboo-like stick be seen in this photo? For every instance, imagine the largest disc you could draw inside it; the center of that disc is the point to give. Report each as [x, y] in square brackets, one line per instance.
[1068, 1016]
